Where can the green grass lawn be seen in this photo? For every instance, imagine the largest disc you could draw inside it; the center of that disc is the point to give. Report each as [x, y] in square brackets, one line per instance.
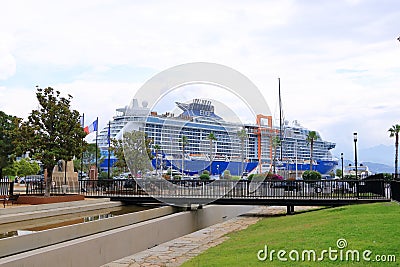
[374, 227]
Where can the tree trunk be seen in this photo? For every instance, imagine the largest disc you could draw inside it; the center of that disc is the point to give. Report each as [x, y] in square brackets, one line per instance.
[311, 155]
[210, 156]
[156, 161]
[49, 181]
[396, 159]
[183, 160]
[242, 157]
[1, 173]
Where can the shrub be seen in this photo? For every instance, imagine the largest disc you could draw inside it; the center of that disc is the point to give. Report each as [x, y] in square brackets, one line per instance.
[227, 175]
[259, 177]
[250, 177]
[204, 176]
[206, 172]
[274, 177]
[103, 175]
[311, 176]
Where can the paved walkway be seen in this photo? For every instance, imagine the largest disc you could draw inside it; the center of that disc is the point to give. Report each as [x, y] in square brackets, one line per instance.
[179, 250]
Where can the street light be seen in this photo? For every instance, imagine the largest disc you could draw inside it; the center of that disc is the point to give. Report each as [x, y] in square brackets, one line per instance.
[355, 152]
[341, 156]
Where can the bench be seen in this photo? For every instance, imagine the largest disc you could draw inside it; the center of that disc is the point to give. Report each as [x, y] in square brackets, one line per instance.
[6, 199]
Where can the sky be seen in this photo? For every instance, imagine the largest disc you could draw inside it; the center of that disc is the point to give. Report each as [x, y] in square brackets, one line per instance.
[338, 61]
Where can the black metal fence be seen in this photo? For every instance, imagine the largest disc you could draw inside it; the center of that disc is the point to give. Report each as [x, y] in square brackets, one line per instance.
[395, 189]
[38, 187]
[6, 188]
[326, 189]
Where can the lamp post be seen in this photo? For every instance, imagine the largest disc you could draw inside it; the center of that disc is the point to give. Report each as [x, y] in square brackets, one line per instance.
[355, 152]
[341, 157]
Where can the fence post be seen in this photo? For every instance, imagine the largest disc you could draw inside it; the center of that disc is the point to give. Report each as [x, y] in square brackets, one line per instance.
[11, 190]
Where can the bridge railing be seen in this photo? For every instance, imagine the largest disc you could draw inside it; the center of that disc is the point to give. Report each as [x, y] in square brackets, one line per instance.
[326, 189]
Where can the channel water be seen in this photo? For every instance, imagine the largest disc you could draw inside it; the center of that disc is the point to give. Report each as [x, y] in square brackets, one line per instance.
[35, 225]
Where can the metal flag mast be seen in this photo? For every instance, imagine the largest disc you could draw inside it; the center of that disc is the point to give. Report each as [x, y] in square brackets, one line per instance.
[83, 125]
[109, 148]
[97, 131]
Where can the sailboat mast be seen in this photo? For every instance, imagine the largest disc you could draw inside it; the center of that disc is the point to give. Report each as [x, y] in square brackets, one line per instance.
[280, 117]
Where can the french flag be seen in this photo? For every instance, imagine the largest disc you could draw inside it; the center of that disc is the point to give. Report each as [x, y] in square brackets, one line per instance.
[91, 128]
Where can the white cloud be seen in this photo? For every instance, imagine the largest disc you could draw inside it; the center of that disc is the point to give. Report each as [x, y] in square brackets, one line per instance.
[7, 60]
[98, 99]
[17, 101]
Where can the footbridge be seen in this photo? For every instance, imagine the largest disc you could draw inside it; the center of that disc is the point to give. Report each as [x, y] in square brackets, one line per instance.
[192, 193]
[197, 193]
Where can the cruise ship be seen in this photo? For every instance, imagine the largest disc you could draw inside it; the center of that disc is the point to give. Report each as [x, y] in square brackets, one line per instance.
[251, 152]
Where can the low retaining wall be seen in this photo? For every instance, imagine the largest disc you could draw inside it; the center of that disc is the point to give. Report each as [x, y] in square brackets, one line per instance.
[51, 206]
[64, 209]
[35, 200]
[102, 248]
[18, 244]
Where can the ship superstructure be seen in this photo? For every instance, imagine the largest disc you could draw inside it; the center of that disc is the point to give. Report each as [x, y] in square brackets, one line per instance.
[228, 151]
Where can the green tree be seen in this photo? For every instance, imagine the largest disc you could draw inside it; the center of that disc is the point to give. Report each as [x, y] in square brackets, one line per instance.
[227, 175]
[394, 132]
[311, 137]
[156, 149]
[89, 156]
[52, 132]
[204, 177]
[149, 143]
[25, 167]
[311, 176]
[211, 137]
[242, 134]
[135, 152]
[339, 173]
[184, 141]
[118, 150]
[8, 126]
[276, 141]
[10, 170]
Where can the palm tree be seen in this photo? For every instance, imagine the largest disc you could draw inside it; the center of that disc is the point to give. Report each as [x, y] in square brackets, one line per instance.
[211, 137]
[242, 134]
[184, 142]
[276, 141]
[394, 132]
[156, 149]
[311, 137]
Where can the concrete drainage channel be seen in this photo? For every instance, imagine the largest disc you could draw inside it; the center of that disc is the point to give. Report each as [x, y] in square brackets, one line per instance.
[100, 242]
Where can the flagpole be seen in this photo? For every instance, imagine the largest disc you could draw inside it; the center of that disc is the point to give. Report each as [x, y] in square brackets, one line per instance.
[83, 125]
[109, 147]
[97, 130]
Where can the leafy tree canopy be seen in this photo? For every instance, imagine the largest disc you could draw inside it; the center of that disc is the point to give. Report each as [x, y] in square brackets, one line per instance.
[25, 167]
[118, 150]
[311, 176]
[136, 152]
[8, 126]
[52, 132]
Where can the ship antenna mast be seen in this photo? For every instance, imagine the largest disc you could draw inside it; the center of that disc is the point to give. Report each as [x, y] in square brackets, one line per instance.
[280, 117]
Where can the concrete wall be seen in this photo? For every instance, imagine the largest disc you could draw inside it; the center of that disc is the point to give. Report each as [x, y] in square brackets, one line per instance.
[69, 208]
[51, 206]
[18, 244]
[102, 248]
